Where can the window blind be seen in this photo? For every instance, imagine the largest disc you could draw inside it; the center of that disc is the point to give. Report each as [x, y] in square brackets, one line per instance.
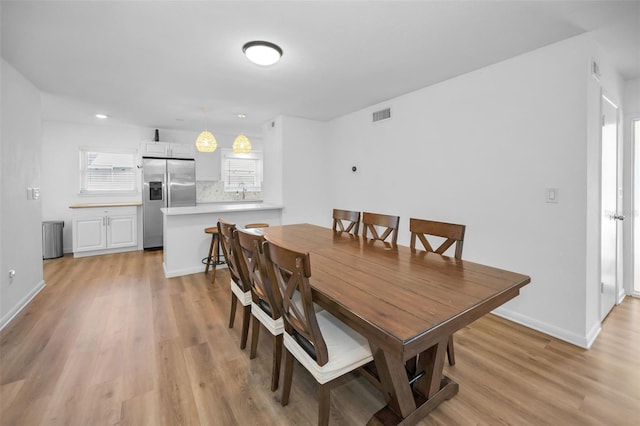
[239, 173]
[107, 171]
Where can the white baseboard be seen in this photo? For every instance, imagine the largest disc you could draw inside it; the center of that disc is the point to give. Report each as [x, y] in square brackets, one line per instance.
[185, 271]
[592, 334]
[106, 251]
[6, 319]
[546, 328]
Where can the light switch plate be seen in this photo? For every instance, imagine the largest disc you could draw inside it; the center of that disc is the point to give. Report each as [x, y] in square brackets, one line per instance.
[33, 193]
[552, 195]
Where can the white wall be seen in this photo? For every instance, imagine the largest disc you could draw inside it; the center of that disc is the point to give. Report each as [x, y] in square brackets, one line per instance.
[60, 172]
[307, 170]
[273, 169]
[480, 149]
[20, 219]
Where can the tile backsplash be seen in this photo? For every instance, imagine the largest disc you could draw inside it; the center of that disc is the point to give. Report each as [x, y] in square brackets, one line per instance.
[208, 191]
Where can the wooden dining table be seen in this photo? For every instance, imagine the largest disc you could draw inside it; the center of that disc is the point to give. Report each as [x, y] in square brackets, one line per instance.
[405, 302]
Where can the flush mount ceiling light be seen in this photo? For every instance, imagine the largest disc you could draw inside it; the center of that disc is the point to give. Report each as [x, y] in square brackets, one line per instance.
[242, 145]
[102, 116]
[262, 52]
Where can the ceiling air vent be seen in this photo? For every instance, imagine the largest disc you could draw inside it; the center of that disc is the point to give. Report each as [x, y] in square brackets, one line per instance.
[383, 114]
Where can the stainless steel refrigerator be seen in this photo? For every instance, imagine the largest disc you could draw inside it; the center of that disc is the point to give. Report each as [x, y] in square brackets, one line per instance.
[167, 182]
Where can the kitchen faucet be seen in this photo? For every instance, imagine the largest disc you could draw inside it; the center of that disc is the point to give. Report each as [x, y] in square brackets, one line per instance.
[244, 189]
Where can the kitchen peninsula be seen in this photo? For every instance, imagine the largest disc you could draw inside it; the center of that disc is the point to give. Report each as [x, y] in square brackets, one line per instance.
[186, 244]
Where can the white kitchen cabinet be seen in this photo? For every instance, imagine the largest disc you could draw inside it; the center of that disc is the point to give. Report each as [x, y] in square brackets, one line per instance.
[167, 149]
[121, 230]
[100, 230]
[89, 233]
[154, 149]
[182, 150]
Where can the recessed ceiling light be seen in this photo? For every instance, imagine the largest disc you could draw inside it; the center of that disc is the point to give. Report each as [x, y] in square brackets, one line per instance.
[262, 52]
[242, 115]
[102, 116]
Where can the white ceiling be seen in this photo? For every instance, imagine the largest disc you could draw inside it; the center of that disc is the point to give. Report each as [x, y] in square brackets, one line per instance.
[160, 64]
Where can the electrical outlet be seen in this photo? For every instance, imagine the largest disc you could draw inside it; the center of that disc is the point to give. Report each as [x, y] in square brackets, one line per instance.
[35, 193]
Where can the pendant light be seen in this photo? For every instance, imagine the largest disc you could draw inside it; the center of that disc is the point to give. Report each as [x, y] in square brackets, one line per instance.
[241, 145]
[206, 142]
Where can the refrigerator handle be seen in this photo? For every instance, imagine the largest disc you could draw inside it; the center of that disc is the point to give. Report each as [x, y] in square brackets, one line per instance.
[168, 189]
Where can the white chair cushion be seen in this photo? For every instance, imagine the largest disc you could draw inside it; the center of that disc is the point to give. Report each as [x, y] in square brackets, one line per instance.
[275, 327]
[243, 297]
[347, 349]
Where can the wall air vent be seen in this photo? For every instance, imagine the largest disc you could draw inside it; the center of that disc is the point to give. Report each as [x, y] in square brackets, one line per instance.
[383, 114]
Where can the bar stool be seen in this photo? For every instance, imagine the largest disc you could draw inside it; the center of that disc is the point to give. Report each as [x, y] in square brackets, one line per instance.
[214, 247]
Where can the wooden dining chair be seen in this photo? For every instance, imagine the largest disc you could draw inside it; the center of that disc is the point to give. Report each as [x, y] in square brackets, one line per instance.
[256, 225]
[239, 280]
[390, 224]
[264, 308]
[323, 344]
[449, 234]
[348, 217]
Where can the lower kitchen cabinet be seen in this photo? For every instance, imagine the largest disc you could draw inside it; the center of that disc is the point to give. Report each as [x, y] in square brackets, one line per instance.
[104, 230]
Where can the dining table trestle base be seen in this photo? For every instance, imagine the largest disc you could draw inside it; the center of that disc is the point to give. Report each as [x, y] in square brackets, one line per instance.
[386, 416]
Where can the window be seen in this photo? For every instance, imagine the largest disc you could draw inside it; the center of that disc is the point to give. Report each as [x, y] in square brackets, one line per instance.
[242, 171]
[106, 172]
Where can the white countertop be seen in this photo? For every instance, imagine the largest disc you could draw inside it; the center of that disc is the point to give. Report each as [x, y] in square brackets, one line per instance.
[219, 208]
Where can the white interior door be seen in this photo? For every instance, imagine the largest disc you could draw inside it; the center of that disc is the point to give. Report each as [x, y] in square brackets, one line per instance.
[610, 217]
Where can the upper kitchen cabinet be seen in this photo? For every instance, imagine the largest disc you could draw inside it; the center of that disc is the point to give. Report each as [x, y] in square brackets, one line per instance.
[167, 149]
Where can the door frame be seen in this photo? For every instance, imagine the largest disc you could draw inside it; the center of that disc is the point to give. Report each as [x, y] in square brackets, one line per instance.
[632, 151]
[620, 225]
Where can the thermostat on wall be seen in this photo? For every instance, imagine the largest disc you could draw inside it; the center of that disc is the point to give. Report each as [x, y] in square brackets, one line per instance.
[551, 195]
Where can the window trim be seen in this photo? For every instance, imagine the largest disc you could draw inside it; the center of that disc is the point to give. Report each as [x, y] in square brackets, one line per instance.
[82, 172]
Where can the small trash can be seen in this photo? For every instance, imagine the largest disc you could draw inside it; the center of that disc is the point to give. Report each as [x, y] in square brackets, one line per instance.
[52, 239]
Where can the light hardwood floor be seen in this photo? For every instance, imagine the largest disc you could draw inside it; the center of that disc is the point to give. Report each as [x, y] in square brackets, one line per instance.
[110, 341]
